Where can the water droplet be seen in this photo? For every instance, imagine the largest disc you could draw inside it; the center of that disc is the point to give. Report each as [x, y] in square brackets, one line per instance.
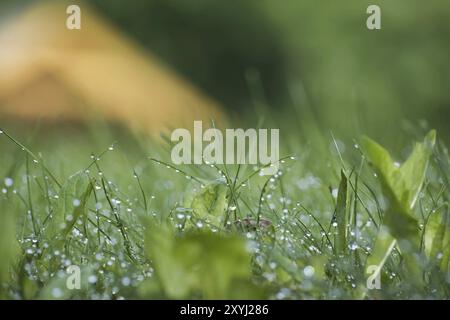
[9, 182]
[308, 271]
[76, 202]
[126, 281]
[92, 279]
[180, 216]
[57, 293]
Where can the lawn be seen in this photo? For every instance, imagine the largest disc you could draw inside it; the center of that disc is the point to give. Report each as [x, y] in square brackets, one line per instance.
[339, 220]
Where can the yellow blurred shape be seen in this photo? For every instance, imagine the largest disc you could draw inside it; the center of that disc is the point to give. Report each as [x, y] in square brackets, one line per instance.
[50, 72]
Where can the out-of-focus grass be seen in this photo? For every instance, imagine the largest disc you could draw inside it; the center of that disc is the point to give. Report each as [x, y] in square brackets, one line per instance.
[138, 228]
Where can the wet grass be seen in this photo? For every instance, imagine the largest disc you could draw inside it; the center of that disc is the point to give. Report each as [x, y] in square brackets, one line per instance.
[139, 227]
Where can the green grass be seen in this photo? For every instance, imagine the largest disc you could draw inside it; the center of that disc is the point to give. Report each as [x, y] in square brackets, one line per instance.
[138, 227]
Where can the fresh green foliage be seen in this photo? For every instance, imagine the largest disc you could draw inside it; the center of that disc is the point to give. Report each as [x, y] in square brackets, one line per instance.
[401, 185]
[139, 227]
[207, 201]
[201, 264]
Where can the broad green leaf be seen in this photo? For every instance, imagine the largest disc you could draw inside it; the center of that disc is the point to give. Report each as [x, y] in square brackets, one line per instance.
[401, 185]
[437, 238]
[404, 181]
[160, 247]
[197, 263]
[341, 215]
[208, 202]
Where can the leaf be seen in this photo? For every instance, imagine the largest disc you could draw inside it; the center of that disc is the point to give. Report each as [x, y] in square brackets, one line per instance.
[208, 202]
[384, 245]
[437, 238]
[403, 181]
[341, 215]
[198, 263]
[401, 185]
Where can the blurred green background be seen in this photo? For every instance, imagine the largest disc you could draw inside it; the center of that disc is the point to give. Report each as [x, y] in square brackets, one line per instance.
[318, 56]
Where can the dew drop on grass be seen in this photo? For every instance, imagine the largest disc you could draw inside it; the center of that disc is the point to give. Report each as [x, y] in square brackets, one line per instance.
[57, 293]
[126, 281]
[76, 202]
[92, 279]
[180, 216]
[334, 193]
[9, 182]
[308, 271]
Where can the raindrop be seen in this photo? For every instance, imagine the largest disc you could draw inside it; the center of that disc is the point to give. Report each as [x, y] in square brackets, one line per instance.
[9, 182]
[308, 271]
[180, 216]
[57, 293]
[126, 281]
[92, 279]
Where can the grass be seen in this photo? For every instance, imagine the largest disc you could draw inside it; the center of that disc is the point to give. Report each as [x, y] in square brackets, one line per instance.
[138, 227]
